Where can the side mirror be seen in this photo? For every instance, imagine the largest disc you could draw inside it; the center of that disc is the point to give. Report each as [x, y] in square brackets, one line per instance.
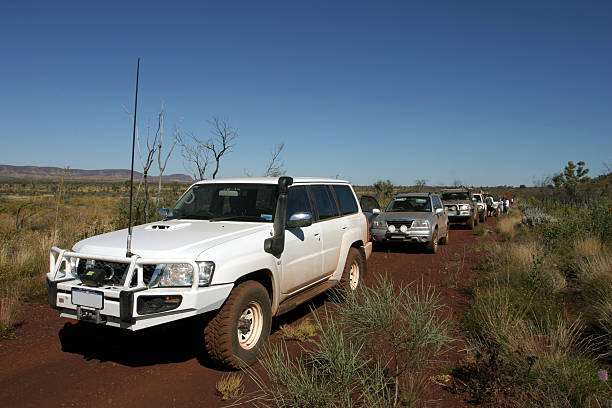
[299, 220]
[163, 212]
[375, 211]
[439, 210]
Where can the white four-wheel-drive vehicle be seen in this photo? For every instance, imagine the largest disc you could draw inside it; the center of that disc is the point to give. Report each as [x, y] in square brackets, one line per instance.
[243, 249]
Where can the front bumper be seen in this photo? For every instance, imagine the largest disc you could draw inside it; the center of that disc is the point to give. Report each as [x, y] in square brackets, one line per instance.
[121, 305]
[413, 236]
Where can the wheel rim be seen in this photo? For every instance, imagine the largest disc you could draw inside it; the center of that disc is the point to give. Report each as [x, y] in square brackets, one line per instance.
[250, 325]
[354, 275]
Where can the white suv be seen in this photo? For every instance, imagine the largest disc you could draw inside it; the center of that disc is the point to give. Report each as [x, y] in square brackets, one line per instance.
[244, 249]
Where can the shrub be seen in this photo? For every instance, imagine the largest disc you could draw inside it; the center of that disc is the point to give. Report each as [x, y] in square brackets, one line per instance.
[401, 326]
[533, 217]
[333, 373]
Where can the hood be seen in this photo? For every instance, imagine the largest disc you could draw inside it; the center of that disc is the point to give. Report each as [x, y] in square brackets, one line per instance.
[175, 239]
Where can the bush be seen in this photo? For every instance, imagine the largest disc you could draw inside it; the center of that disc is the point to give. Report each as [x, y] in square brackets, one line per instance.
[533, 217]
[401, 326]
[334, 373]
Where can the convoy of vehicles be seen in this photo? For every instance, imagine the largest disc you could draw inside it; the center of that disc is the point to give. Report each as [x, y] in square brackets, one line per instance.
[243, 250]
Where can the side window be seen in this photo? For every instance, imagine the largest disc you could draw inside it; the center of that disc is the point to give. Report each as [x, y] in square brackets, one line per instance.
[368, 203]
[326, 206]
[437, 203]
[346, 199]
[297, 201]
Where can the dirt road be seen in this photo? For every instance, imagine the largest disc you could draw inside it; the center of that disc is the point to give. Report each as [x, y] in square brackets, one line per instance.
[52, 362]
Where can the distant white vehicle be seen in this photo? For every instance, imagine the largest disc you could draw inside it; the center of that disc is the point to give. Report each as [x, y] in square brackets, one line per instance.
[245, 249]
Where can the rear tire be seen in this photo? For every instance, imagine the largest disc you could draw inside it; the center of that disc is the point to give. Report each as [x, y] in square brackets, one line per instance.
[353, 273]
[432, 246]
[240, 329]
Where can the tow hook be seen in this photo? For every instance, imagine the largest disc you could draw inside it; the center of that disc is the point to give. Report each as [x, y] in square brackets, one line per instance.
[89, 315]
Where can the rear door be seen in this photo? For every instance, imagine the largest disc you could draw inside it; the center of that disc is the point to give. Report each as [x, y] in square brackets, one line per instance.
[333, 226]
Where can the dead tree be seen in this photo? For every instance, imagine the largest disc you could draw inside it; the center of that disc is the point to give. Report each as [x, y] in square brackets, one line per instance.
[147, 160]
[222, 141]
[198, 153]
[195, 156]
[275, 166]
[163, 162]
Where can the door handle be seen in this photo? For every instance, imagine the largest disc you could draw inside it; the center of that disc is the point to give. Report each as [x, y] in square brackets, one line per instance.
[344, 227]
[317, 236]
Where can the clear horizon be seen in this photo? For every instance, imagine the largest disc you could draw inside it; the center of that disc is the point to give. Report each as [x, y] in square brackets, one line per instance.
[485, 93]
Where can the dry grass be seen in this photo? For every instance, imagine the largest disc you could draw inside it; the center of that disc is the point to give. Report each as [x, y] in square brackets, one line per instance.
[230, 386]
[302, 332]
[588, 247]
[9, 306]
[506, 226]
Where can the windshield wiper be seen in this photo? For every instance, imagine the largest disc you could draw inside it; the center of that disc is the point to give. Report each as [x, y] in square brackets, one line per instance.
[233, 217]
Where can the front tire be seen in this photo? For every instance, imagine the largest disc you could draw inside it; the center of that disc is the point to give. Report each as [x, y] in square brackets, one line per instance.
[432, 246]
[444, 239]
[240, 329]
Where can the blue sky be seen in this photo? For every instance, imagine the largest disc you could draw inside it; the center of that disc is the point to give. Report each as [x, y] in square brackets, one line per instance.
[488, 93]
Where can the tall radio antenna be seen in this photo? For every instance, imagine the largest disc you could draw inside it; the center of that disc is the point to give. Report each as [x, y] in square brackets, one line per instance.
[129, 237]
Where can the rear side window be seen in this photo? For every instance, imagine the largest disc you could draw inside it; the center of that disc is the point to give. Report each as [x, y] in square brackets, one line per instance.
[326, 205]
[297, 201]
[346, 199]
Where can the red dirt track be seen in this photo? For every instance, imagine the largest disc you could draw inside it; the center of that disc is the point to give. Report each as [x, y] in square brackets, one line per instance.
[54, 362]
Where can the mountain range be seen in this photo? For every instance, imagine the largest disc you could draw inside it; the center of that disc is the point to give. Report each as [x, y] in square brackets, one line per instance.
[28, 172]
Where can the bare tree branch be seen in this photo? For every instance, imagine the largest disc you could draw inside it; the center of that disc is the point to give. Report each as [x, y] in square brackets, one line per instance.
[275, 165]
[222, 141]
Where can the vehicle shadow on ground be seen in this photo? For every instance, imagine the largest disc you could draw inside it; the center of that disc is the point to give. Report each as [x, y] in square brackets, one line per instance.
[399, 248]
[173, 342]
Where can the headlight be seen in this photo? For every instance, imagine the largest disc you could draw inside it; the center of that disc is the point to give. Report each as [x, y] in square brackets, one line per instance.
[176, 275]
[465, 207]
[420, 224]
[379, 224]
[182, 274]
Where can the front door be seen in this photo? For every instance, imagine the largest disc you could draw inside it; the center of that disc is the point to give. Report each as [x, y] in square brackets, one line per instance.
[302, 258]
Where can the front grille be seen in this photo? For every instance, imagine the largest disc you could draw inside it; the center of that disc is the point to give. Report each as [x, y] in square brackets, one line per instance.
[116, 271]
[398, 224]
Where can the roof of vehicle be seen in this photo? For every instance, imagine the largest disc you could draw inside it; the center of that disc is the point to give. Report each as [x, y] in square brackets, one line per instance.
[414, 194]
[272, 180]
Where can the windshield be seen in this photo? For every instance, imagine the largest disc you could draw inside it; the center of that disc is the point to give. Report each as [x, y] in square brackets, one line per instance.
[220, 202]
[478, 198]
[409, 204]
[455, 195]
